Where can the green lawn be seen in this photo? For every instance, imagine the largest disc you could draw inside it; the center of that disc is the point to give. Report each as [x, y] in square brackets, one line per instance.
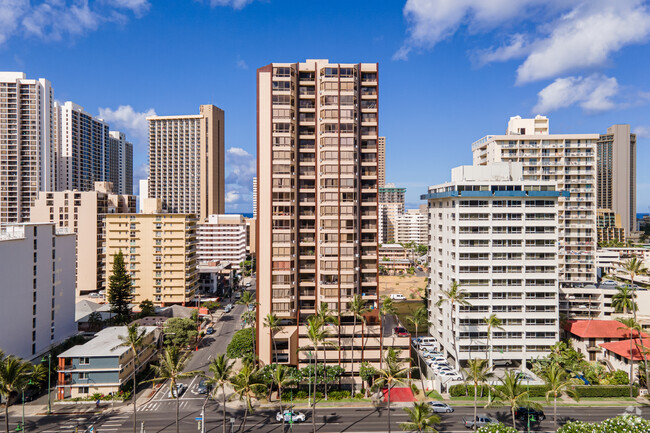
[403, 310]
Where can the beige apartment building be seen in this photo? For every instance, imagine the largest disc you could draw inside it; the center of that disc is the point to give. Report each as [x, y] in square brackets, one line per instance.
[159, 252]
[186, 162]
[616, 181]
[317, 207]
[27, 146]
[609, 226]
[381, 161]
[83, 212]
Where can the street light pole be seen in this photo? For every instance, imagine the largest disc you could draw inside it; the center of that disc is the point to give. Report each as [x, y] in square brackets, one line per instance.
[49, 382]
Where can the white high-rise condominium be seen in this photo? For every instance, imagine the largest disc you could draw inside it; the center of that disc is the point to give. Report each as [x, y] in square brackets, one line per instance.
[186, 162]
[83, 145]
[317, 208]
[27, 147]
[495, 233]
[120, 163]
[391, 206]
[567, 160]
[412, 226]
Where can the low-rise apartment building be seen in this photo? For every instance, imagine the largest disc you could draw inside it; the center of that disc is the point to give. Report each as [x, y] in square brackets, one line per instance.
[159, 252]
[102, 365]
[495, 234]
[37, 265]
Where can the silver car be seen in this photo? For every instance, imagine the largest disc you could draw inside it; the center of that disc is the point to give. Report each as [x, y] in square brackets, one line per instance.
[440, 407]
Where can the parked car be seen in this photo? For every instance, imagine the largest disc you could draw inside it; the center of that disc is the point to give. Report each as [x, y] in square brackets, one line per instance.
[415, 342]
[248, 284]
[203, 387]
[428, 342]
[524, 413]
[401, 331]
[210, 330]
[227, 308]
[95, 295]
[480, 421]
[451, 375]
[290, 415]
[251, 307]
[180, 389]
[440, 407]
[237, 295]
[397, 297]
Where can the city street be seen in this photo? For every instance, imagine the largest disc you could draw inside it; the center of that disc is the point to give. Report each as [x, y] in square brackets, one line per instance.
[327, 420]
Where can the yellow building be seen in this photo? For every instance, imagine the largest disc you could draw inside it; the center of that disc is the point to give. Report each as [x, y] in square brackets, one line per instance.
[160, 253]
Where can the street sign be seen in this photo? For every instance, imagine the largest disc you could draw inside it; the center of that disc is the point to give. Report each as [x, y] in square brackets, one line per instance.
[198, 418]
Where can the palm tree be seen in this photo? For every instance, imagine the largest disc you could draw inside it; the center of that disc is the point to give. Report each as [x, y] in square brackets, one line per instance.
[623, 300]
[386, 309]
[222, 369]
[356, 307]
[453, 296]
[247, 299]
[134, 339]
[392, 375]
[282, 378]
[325, 316]
[317, 335]
[557, 381]
[419, 318]
[478, 372]
[631, 326]
[247, 383]
[634, 267]
[492, 322]
[272, 322]
[170, 368]
[421, 418]
[510, 394]
[14, 376]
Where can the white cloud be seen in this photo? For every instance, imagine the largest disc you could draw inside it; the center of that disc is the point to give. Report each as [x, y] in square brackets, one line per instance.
[141, 172]
[232, 197]
[10, 12]
[54, 19]
[134, 124]
[241, 168]
[642, 131]
[235, 4]
[431, 21]
[593, 93]
[585, 38]
[241, 63]
[517, 47]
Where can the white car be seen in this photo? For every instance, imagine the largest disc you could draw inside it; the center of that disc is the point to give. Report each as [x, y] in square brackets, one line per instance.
[290, 416]
[397, 297]
[180, 389]
[452, 375]
[440, 407]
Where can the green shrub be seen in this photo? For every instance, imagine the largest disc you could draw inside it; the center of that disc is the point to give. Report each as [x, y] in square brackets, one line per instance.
[496, 428]
[462, 390]
[241, 345]
[359, 395]
[338, 395]
[605, 391]
[620, 424]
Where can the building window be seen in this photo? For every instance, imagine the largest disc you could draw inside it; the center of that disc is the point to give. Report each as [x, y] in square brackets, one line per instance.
[84, 361]
[83, 376]
[83, 390]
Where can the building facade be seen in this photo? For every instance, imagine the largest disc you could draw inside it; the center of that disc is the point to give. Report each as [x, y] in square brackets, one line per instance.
[102, 365]
[120, 163]
[37, 264]
[568, 161]
[412, 226]
[222, 238]
[317, 206]
[616, 181]
[28, 156]
[159, 252]
[609, 226]
[83, 212]
[495, 233]
[186, 162]
[391, 206]
[83, 146]
[381, 161]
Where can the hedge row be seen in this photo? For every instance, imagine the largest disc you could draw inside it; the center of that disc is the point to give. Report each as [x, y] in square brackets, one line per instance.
[540, 390]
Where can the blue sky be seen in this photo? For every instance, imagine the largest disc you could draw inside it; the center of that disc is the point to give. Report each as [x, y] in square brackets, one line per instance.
[451, 71]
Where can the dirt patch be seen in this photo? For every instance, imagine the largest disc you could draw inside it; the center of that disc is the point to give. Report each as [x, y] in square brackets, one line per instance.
[410, 286]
